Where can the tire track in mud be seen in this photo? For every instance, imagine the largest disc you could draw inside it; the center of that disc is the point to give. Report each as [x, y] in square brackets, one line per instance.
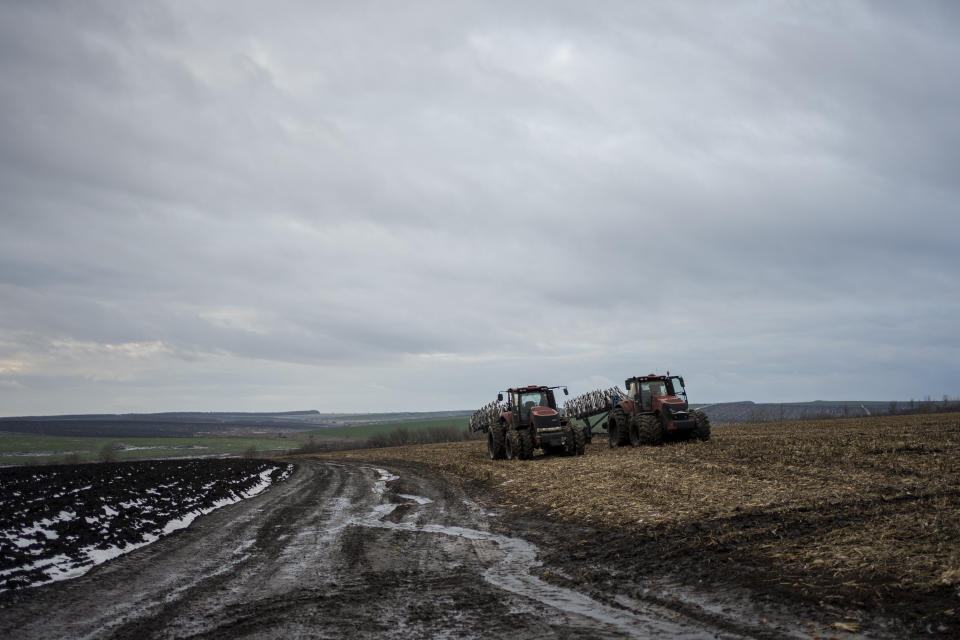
[273, 574]
[335, 551]
[513, 572]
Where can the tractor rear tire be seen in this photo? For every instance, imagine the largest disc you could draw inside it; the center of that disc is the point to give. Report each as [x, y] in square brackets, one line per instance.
[495, 441]
[702, 430]
[579, 440]
[526, 444]
[511, 448]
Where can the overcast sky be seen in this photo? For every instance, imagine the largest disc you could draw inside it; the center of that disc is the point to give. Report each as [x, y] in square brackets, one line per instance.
[351, 206]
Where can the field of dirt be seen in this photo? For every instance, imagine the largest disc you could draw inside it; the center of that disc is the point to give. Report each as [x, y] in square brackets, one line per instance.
[356, 551]
[856, 522]
[840, 529]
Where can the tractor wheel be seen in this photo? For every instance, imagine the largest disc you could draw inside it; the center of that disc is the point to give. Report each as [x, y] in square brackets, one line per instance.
[588, 435]
[625, 430]
[648, 429]
[511, 449]
[617, 429]
[702, 430]
[526, 445]
[568, 447]
[579, 440]
[656, 430]
[634, 428]
[495, 441]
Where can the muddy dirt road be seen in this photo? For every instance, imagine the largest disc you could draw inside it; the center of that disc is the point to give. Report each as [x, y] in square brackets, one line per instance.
[342, 551]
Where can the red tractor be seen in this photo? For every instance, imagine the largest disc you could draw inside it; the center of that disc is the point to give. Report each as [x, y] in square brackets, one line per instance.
[652, 409]
[655, 409]
[529, 420]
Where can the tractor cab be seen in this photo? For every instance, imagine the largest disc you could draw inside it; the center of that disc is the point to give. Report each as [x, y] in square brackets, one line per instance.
[653, 392]
[524, 400]
[533, 403]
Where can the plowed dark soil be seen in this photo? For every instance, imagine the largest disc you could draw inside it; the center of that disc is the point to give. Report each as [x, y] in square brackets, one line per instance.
[53, 518]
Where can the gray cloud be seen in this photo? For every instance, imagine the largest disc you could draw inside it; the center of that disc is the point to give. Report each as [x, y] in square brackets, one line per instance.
[359, 207]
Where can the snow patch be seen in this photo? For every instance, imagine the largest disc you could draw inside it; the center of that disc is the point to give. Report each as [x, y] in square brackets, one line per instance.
[62, 566]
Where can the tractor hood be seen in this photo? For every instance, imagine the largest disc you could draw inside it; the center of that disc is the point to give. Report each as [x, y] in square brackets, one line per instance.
[543, 411]
[675, 403]
[544, 417]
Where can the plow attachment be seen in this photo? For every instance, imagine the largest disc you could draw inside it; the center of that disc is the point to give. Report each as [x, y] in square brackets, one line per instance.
[485, 416]
[593, 403]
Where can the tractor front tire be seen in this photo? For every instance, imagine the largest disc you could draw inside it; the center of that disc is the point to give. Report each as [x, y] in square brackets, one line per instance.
[635, 427]
[569, 448]
[496, 437]
[647, 429]
[526, 444]
[617, 428]
[702, 430]
[511, 447]
[579, 440]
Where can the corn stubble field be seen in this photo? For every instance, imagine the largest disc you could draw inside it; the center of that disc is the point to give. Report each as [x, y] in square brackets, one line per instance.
[866, 511]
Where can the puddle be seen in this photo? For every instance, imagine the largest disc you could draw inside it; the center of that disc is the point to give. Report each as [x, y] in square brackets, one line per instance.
[381, 485]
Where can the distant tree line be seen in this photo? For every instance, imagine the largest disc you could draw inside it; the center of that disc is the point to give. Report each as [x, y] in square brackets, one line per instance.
[927, 405]
[396, 438]
[772, 413]
[402, 436]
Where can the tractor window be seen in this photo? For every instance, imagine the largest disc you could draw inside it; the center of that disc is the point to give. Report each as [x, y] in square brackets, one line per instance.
[677, 387]
[655, 387]
[529, 400]
[537, 398]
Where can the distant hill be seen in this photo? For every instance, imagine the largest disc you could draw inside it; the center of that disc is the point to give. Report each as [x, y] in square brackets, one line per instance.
[746, 411]
[351, 419]
[192, 423]
[174, 416]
